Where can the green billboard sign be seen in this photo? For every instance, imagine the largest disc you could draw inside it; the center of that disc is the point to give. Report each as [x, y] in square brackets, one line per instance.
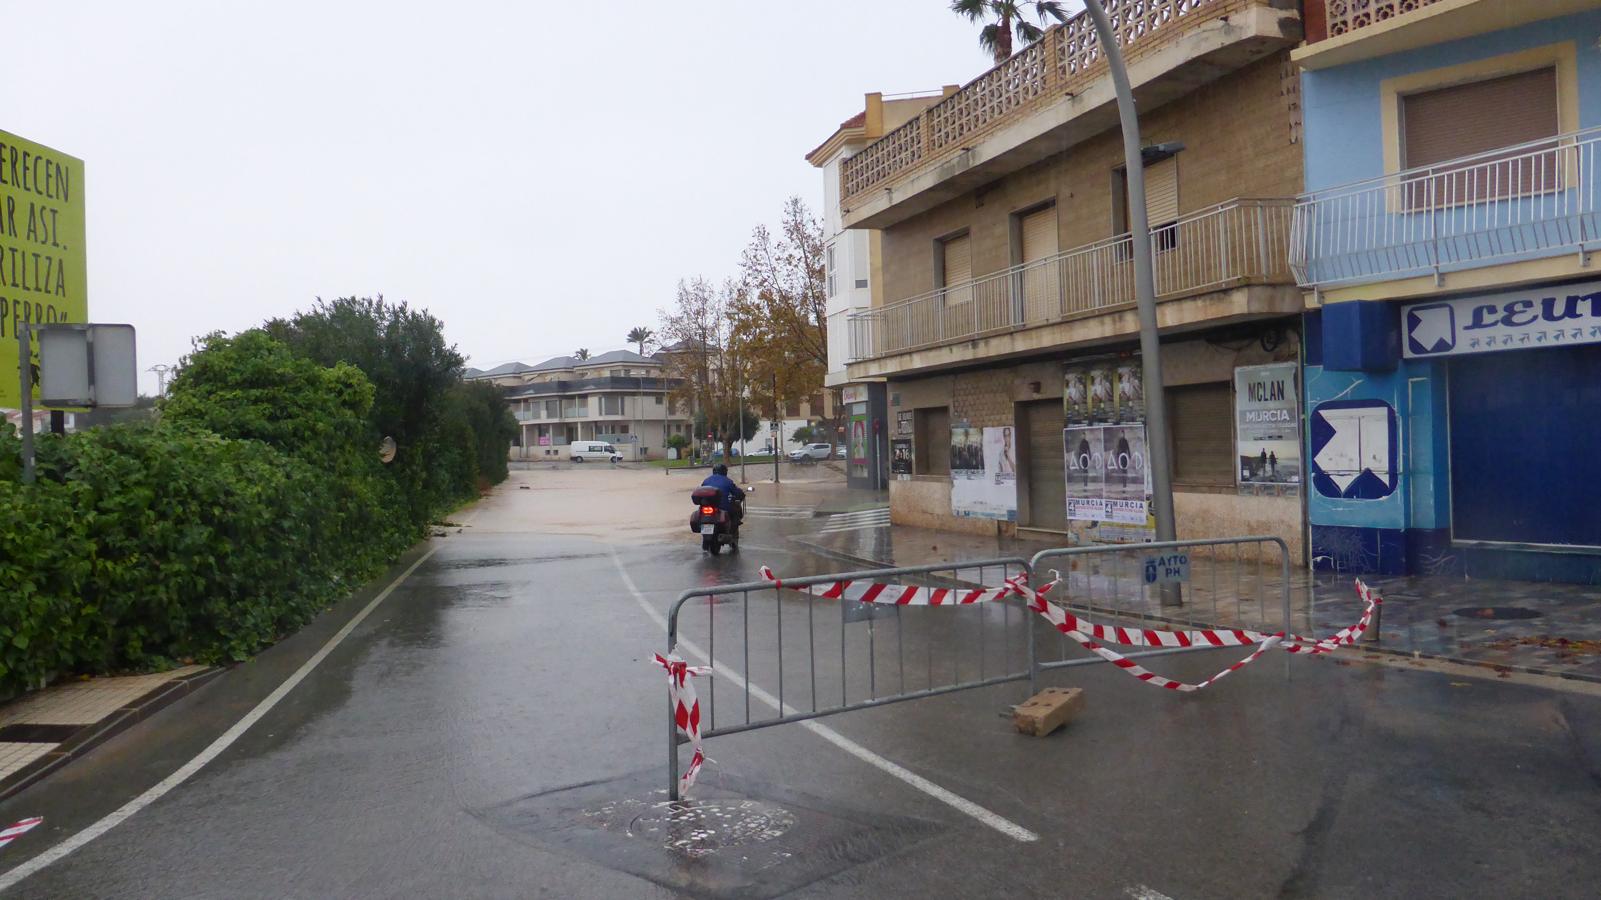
[43, 269]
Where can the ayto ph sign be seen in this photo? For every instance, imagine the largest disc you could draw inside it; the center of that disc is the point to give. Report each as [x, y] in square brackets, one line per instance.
[43, 269]
[1171, 568]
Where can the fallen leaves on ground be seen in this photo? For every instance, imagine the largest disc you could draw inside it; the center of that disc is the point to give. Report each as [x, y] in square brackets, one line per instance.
[1565, 647]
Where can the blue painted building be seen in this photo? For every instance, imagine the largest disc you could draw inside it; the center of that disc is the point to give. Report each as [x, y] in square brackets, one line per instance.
[1453, 365]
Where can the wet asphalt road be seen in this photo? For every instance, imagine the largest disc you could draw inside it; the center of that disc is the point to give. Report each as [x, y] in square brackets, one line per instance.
[494, 729]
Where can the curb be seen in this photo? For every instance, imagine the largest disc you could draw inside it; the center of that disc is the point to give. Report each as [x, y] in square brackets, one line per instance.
[93, 735]
[1364, 647]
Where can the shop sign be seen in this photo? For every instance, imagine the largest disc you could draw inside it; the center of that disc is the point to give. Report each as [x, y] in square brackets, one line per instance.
[854, 393]
[1551, 316]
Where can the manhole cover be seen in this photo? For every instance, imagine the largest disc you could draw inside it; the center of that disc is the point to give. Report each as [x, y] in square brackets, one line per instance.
[1498, 612]
[710, 826]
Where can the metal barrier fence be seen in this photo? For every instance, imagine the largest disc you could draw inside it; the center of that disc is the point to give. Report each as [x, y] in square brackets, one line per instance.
[1226, 582]
[903, 653]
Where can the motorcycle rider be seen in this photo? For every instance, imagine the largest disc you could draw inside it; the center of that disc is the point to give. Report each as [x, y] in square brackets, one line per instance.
[733, 497]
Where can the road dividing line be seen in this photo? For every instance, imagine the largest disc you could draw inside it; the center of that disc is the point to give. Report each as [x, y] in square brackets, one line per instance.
[1141, 892]
[129, 809]
[1005, 826]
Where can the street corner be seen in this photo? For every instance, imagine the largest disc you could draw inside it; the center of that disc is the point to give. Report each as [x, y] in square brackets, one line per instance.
[43, 731]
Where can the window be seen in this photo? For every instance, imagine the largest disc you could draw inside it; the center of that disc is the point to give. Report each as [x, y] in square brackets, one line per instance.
[1036, 235]
[792, 408]
[552, 409]
[1202, 422]
[1161, 204]
[657, 398]
[619, 373]
[955, 268]
[575, 408]
[828, 268]
[611, 405]
[931, 441]
[1475, 118]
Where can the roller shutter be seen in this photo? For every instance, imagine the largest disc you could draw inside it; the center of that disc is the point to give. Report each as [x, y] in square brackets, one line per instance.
[1047, 482]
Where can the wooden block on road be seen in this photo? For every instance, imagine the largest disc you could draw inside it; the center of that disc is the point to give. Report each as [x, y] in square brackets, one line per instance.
[1048, 710]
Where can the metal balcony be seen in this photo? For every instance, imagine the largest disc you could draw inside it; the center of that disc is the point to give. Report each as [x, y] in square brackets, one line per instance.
[1242, 241]
[1056, 84]
[1519, 203]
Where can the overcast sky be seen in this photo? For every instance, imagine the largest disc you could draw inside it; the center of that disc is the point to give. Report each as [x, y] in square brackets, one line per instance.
[539, 175]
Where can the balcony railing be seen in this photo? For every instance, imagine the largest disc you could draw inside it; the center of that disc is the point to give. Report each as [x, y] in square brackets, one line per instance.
[1238, 242]
[1346, 16]
[1525, 202]
[1063, 62]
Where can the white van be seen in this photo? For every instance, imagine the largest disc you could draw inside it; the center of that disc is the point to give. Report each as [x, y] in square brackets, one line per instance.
[600, 451]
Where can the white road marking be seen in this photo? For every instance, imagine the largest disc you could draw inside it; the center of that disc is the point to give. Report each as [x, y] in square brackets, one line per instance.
[1003, 825]
[1141, 892]
[857, 521]
[132, 807]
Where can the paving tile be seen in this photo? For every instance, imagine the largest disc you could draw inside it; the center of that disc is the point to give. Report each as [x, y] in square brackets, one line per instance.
[86, 702]
[13, 756]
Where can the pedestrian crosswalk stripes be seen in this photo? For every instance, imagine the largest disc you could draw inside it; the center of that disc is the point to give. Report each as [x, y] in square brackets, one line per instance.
[877, 517]
[779, 512]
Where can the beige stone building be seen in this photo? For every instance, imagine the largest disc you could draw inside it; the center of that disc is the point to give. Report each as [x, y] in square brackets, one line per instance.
[1002, 267]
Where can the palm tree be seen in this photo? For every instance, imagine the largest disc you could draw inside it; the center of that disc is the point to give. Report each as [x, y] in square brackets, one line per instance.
[640, 335]
[1004, 17]
[581, 354]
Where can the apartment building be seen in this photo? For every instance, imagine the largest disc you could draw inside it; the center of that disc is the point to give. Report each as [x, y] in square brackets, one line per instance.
[1002, 323]
[1453, 371]
[852, 277]
[619, 396]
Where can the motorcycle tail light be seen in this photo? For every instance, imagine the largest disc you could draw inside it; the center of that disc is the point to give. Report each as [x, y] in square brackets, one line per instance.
[708, 510]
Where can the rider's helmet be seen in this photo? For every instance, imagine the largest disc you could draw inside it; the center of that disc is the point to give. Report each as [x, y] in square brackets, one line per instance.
[719, 469]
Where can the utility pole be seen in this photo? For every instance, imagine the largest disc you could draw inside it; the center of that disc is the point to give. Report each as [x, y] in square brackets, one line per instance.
[778, 436]
[743, 475]
[161, 370]
[1156, 446]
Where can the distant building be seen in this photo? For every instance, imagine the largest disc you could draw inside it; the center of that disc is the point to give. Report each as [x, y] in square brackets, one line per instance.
[618, 396]
[850, 269]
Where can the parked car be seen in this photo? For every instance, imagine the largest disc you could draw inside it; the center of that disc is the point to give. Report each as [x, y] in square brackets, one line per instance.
[597, 451]
[839, 452]
[810, 452]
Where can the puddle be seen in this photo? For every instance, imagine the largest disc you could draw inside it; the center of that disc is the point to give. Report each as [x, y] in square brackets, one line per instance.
[735, 838]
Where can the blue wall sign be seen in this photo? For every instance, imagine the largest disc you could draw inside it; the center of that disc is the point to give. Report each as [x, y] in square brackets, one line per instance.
[1552, 316]
[1353, 444]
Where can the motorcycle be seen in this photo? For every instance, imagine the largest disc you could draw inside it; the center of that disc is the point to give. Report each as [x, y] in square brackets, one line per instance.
[715, 525]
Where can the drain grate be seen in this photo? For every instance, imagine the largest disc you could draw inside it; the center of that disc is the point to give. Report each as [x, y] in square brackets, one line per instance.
[1498, 613]
[736, 838]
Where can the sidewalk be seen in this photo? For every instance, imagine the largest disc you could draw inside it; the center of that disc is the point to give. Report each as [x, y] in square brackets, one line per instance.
[44, 730]
[1542, 629]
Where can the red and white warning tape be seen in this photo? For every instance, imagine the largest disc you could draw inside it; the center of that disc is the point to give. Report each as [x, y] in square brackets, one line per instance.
[20, 829]
[686, 710]
[1090, 634]
[904, 595]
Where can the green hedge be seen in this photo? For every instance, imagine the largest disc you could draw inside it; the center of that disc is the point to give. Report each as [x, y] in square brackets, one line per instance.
[255, 501]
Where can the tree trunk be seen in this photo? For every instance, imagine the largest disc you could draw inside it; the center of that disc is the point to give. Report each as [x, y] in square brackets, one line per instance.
[1003, 41]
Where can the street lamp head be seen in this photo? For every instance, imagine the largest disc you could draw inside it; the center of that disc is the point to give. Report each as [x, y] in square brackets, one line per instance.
[1155, 153]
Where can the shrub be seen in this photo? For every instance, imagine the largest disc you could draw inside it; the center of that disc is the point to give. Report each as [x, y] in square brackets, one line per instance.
[254, 501]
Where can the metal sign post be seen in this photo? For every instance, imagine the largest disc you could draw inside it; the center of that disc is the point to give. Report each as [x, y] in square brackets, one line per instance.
[1144, 291]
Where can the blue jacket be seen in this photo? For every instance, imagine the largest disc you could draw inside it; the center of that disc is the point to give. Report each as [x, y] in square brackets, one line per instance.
[731, 491]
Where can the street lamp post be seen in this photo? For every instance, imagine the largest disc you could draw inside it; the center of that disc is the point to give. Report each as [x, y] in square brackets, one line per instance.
[1144, 291]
